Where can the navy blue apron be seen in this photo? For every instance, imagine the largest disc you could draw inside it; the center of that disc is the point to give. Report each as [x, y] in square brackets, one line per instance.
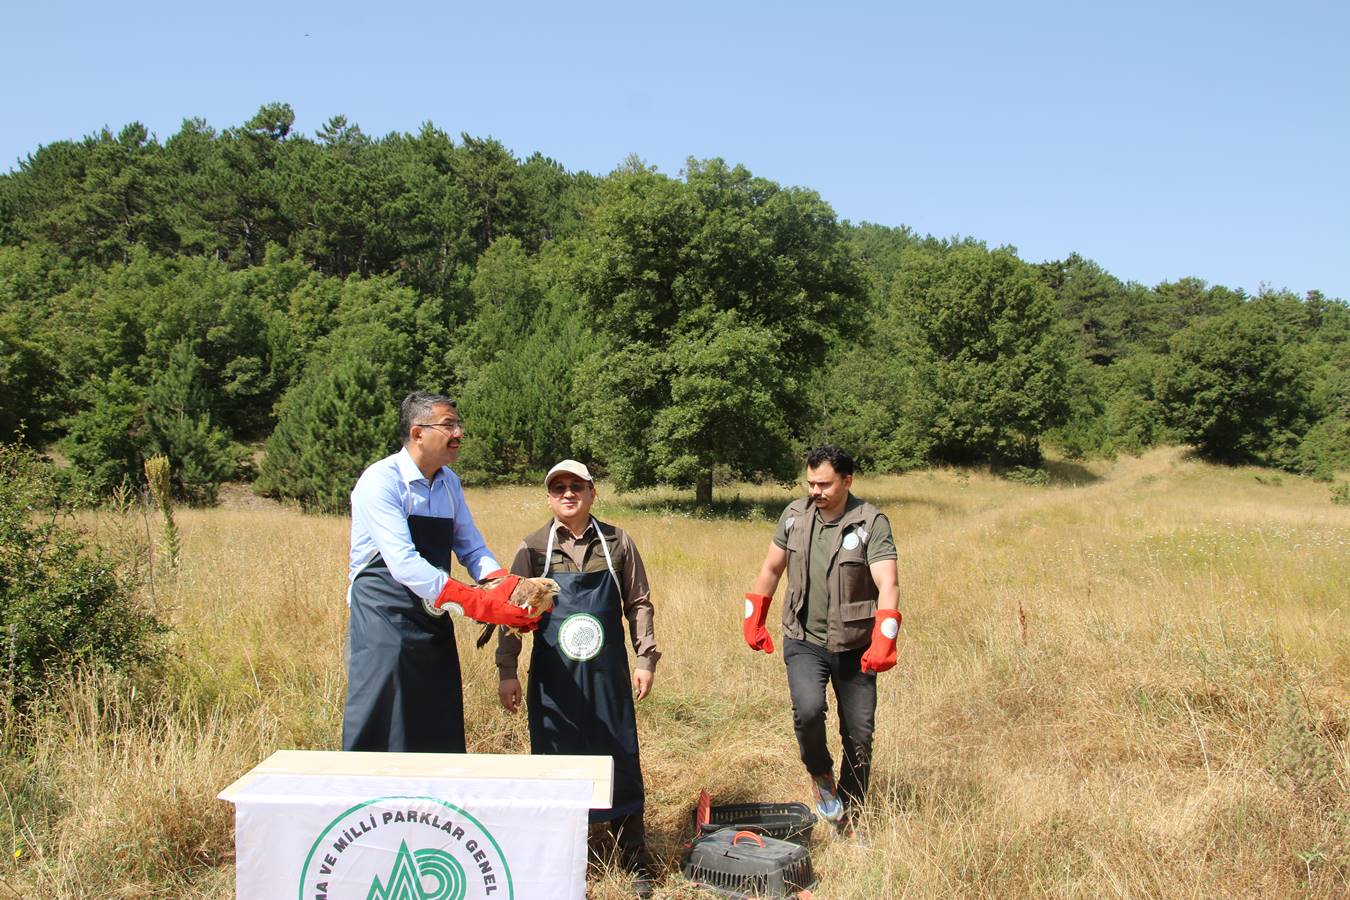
[580, 699]
[404, 689]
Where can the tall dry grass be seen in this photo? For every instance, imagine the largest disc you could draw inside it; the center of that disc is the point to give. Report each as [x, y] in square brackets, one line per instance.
[1133, 682]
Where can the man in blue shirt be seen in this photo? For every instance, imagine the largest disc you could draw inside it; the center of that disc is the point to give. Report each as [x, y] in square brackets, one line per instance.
[404, 691]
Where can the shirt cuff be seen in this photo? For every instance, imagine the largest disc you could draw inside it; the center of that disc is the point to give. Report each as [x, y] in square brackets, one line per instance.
[485, 565]
[647, 663]
[504, 673]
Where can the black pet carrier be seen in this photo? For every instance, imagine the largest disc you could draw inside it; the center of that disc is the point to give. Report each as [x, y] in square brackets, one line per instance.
[743, 864]
[785, 821]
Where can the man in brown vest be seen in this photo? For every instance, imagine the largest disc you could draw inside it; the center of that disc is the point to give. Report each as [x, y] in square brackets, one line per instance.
[840, 622]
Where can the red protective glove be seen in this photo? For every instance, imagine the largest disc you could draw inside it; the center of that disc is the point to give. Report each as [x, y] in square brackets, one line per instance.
[882, 654]
[756, 611]
[495, 573]
[488, 605]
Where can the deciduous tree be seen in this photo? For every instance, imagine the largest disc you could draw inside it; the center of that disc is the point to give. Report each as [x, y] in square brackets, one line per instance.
[1231, 386]
[986, 348]
[721, 286]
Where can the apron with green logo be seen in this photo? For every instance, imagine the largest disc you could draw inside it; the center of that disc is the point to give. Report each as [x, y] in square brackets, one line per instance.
[580, 698]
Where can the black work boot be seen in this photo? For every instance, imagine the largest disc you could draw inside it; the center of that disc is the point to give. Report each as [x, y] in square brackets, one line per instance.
[631, 838]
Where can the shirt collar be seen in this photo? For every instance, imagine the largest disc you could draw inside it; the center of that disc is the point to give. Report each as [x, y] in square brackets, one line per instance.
[407, 469]
[849, 505]
[561, 529]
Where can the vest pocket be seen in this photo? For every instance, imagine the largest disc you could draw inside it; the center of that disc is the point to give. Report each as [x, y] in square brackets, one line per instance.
[855, 578]
[857, 619]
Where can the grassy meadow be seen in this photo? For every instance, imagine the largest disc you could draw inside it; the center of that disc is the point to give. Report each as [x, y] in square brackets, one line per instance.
[1131, 682]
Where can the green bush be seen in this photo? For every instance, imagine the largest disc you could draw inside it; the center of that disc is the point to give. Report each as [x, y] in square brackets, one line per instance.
[1027, 475]
[1132, 417]
[872, 402]
[62, 602]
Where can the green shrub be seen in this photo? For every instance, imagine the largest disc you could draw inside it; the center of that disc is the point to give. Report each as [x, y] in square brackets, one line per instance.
[1027, 475]
[63, 604]
[119, 424]
[1295, 752]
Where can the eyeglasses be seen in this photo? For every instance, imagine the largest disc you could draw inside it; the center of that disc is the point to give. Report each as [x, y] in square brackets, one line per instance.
[451, 428]
[559, 488]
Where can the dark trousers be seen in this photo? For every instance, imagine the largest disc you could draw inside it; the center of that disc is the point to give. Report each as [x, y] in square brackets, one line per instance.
[809, 669]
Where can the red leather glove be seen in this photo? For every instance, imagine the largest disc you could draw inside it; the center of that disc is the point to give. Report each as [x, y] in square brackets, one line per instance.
[495, 573]
[488, 605]
[882, 654]
[756, 611]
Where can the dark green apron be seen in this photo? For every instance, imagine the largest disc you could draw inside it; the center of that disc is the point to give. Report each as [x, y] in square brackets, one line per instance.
[404, 689]
[580, 699]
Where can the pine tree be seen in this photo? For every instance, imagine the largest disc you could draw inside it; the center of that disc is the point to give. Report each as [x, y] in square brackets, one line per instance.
[339, 418]
[179, 427]
[105, 437]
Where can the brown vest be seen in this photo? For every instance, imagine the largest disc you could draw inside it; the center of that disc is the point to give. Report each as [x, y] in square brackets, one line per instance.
[852, 592]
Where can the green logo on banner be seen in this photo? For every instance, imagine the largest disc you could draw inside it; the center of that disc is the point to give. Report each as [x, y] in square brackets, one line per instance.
[443, 853]
[412, 870]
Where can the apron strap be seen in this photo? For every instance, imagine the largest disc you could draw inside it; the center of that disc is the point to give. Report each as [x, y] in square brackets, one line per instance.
[604, 545]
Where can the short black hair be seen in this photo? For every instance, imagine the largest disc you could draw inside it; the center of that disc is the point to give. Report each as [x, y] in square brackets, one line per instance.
[838, 459]
[416, 407]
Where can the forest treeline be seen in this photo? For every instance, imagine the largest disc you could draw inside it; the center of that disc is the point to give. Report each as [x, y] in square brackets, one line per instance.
[225, 291]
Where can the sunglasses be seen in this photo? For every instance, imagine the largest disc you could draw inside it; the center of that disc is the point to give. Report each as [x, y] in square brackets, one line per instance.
[558, 488]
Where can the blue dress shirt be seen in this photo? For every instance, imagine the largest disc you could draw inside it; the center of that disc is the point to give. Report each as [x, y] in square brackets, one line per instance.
[387, 493]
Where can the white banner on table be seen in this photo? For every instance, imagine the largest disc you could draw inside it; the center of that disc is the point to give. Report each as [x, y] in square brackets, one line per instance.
[373, 837]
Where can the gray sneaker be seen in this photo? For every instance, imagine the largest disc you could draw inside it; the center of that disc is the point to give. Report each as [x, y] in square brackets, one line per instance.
[828, 805]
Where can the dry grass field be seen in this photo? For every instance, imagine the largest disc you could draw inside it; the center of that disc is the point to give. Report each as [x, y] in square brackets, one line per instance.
[1131, 682]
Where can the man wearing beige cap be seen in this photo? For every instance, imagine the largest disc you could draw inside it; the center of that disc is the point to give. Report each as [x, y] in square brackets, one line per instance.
[580, 696]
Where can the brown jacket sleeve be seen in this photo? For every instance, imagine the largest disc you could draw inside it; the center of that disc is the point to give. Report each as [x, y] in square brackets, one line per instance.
[508, 645]
[637, 606]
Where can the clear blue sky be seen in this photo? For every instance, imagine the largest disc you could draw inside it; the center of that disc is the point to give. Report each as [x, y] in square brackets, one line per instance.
[1161, 139]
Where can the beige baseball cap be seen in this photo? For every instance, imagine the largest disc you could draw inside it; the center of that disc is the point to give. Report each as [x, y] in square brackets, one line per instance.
[571, 467]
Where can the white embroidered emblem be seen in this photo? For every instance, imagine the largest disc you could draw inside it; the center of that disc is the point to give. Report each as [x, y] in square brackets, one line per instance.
[581, 636]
